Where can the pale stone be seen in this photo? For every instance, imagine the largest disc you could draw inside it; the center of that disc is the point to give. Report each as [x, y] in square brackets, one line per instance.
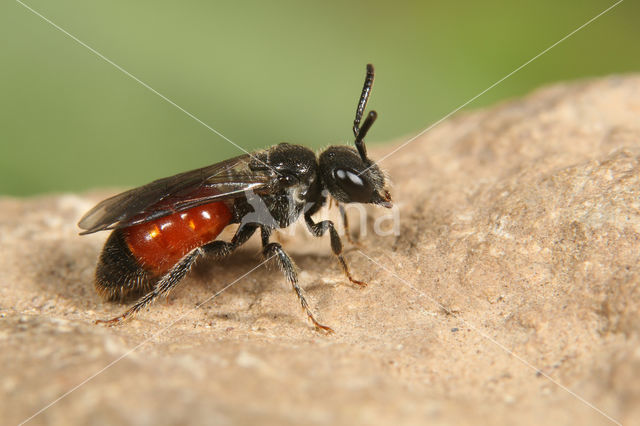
[515, 274]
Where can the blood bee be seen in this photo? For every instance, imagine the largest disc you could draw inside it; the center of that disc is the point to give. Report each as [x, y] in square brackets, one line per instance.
[162, 228]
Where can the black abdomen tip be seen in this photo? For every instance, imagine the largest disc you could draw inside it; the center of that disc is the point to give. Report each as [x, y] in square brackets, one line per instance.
[119, 276]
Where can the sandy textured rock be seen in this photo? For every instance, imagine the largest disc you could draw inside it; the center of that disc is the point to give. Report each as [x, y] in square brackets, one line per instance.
[511, 294]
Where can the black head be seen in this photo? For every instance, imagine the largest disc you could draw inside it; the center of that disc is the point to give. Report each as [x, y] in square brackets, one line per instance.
[349, 179]
[347, 173]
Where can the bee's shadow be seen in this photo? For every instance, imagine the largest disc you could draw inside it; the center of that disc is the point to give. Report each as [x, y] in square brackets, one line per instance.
[68, 270]
[215, 273]
[65, 270]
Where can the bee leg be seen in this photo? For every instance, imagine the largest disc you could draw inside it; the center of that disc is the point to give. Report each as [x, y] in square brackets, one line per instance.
[345, 223]
[162, 288]
[289, 269]
[318, 230]
[166, 283]
[221, 249]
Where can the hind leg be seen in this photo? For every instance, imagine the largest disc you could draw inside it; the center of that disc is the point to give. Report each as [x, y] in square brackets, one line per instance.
[162, 288]
[171, 279]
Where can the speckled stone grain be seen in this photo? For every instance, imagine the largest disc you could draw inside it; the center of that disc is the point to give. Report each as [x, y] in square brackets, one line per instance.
[510, 296]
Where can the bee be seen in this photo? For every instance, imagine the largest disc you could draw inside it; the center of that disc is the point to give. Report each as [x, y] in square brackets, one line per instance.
[161, 229]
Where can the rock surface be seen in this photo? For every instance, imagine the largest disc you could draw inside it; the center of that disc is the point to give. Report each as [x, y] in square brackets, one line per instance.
[510, 295]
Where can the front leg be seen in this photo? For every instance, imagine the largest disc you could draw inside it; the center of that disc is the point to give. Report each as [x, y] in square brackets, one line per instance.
[318, 230]
[345, 223]
[289, 269]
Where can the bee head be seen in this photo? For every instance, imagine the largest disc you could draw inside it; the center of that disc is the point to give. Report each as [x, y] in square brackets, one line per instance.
[351, 179]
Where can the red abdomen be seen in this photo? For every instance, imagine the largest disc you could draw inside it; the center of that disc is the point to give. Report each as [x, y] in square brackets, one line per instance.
[159, 244]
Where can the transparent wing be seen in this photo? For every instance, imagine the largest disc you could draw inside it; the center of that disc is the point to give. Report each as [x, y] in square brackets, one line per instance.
[221, 181]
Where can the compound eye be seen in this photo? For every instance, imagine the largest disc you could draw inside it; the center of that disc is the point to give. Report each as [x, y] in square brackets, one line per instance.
[358, 189]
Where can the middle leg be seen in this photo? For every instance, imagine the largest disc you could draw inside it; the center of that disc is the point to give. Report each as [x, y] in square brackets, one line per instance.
[289, 269]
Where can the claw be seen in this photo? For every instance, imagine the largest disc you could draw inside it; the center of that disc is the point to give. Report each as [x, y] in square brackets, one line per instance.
[113, 321]
[109, 323]
[362, 284]
[322, 328]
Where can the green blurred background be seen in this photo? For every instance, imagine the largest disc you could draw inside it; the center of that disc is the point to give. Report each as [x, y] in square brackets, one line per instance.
[262, 72]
